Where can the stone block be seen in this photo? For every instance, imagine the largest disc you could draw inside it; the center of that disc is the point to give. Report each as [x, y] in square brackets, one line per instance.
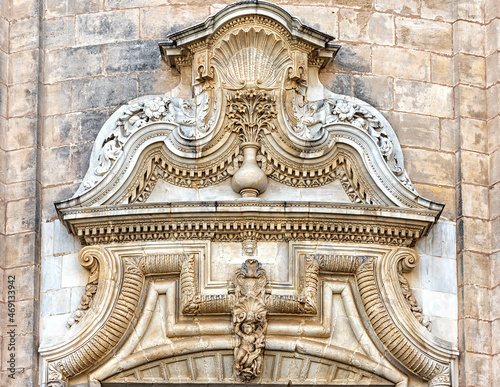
[109, 27]
[492, 69]
[474, 302]
[431, 167]
[353, 58]
[52, 328]
[20, 216]
[474, 135]
[24, 34]
[53, 302]
[73, 128]
[20, 133]
[471, 101]
[324, 19]
[367, 27]
[475, 335]
[441, 194]
[438, 10]
[158, 22]
[121, 4]
[423, 34]
[76, 296]
[126, 57]
[21, 190]
[73, 274]
[473, 234]
[64, 242]
[443, 70]
[472, 199]
[27, 316]
[439, 274]
[158, 82]
[354, 3]
[58, 8]
[58, 33]
[476, 370]
[27, 282]
[80, 159]
[470, 10]
[494, 170]
[445, 328]
[54, 194]
[493, 101]
[52, 159]
[97, 93]
[4, 65]
[26, 377]
[493, 134]
[468, 37]
[3, 100]
[495, 299]
[410, 7]
[495, 332]
[495, 235]
[474, 168]
[23, 99]
[401, 63]
[26, 351]
[56, 98]
[4, 35]
[494, 194]
[338, 83]
[439, 304]
[21, 249]
[472, 70]
[47, 239]
[492, 37]
[415, 130]
[449, 134]
[424, 98]
[491, 11]
[21, 165]
[377, 91]
[473, 269]
[61, 65]
[51, 273]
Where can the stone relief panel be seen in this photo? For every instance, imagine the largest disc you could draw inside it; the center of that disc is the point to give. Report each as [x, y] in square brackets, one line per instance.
[250, 153]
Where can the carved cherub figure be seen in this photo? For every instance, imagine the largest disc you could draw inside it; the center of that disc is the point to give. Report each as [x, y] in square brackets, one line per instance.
[248, 354]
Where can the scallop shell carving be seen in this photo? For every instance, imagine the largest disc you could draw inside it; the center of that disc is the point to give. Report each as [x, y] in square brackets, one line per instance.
[251, 58]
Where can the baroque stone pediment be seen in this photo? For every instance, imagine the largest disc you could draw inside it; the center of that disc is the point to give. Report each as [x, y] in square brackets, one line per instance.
[247, 221]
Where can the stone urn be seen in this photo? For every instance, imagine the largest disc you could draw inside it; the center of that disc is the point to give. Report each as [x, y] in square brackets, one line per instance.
[249, 181]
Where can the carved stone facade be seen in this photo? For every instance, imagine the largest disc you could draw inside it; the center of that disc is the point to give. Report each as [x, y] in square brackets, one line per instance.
[242, 200]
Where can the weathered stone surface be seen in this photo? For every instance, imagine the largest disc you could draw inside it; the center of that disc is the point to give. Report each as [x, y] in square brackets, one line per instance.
[493, 69]
[120, 4]
[158, 22]
[20, 133]
[438, 10]
[424, 98]
[443, 69]
[338, 83]
[20, 249]
[405, 64]
[24, 34]
[61, 65]
[493, 101]
[473, 233]
[4, 35]
[158, 82]
[469, 37]
[493, 134]
[56, 8]
[471, 70]
[474, 135]
[109, 27]
[56, 98]
[472, 202]
[22, 99]
[377, 91]
[439, 274]
[430, 167]
[132, 56]
[405, 8]
[424, 34]
[494, 197]
[51, 273]
[23, 66]
[475, 335]
[474, 269]
[354, 3]
[27, 282]
[20, 216]
[492, 36]
[21, 165]
[474, 167]
[449, 134]
[365, 26]
[415, 130]
[472, 101]
[72, 128]
[54, 194]
[53, 302]
[97, 93]
[481, 364]
[59, 32]
[491, 10]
